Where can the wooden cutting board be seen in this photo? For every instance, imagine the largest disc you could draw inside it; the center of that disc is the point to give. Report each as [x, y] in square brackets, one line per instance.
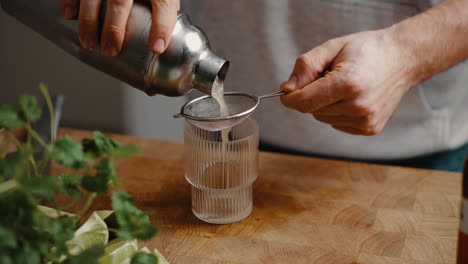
[306, 210]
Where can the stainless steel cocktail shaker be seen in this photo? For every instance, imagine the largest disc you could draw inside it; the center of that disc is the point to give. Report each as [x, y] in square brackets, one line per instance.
[188, 62]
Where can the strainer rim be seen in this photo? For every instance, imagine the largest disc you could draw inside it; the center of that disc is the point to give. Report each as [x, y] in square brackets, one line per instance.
[209, 119]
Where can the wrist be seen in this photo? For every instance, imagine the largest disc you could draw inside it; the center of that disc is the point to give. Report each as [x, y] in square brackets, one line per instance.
[402, 56]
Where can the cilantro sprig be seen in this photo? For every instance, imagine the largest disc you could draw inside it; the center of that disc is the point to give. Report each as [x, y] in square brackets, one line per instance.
[32, 233]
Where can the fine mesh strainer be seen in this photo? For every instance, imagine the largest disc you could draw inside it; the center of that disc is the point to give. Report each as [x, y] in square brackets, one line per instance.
[204, 113]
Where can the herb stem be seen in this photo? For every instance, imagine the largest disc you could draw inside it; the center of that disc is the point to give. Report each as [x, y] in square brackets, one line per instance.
[86, 205]
[44, 161]
[36, 136]
[8, 185]
[48, 100]
[33, 163]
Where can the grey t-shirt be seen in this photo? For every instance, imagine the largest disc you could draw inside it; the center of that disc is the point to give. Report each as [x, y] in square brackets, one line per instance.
[263, 38]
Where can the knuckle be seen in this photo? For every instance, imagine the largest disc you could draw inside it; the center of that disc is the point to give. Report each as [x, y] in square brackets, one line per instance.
[304, 62]
[371, 132]
[353, 86]
[354, 82]
[114, 30]
[330, 43]
[371, 128]
[362, 109]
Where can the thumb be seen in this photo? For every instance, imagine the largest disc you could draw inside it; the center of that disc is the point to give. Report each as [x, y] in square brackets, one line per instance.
[310, 65]
[163, 22]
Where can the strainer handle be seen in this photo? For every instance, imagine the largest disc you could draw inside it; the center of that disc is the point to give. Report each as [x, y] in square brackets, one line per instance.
[279, 93]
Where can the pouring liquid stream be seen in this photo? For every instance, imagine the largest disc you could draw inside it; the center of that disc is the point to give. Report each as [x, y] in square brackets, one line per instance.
[217, 92]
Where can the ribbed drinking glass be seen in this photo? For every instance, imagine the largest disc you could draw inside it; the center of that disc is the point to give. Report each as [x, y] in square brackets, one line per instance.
[222, 172]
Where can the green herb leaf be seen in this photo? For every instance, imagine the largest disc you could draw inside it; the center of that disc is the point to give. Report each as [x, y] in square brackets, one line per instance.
[60, 229]
[31, 233]
[106, 167]
[105, 175]
[30, 107]
[10, 117]
[14, 162]
[5, 259]
[21, 212]
[144, 258]
[8, 238]
[99, 144]
[19, 215]
[89, 147]
[134, 224]
[98, 183]
[67, 152]
[68, 184]
[26, 254]
[44, 186]
[103, 143]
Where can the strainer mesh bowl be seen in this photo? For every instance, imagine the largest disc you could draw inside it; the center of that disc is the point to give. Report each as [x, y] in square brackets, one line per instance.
[204, 113]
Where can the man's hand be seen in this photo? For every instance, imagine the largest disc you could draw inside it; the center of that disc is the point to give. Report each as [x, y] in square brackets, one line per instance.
[368, 75]
[369, 72]
[117, 12]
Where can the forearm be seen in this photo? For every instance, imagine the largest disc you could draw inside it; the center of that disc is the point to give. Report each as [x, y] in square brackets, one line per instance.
[434, 40]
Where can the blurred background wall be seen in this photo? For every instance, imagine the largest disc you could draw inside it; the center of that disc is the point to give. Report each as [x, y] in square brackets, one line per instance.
[92, 100]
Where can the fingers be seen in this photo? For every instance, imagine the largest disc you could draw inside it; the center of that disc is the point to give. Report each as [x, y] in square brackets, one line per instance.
[357, 122]
[348, 108]
[88, 22]
[320, 93]
[69, 8]
[115, 24]
[163, 23]
[353, 125]
[309, 65]
[117, 12]
[366, 117]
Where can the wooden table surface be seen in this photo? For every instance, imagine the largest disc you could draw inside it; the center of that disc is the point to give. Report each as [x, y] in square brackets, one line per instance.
[306, 210]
